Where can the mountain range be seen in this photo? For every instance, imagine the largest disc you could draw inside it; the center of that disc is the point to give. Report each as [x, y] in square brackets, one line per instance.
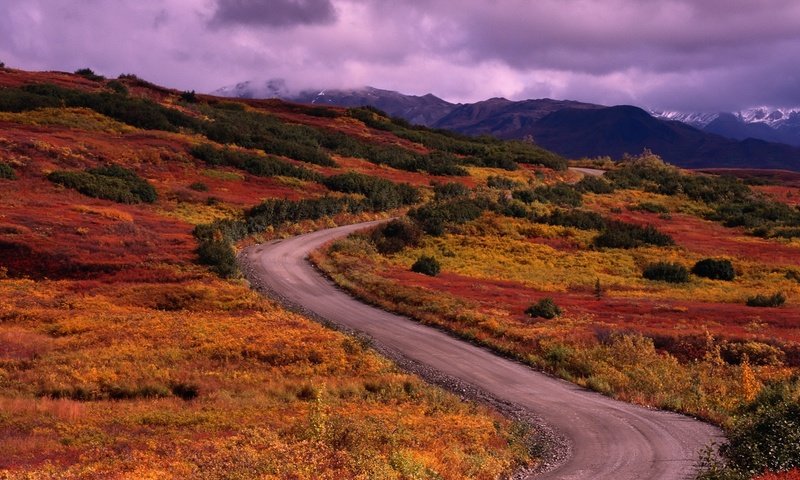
[756, 138]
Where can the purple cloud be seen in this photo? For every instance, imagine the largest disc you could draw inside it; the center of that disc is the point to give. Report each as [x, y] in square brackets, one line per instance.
[672, 54]
[273, 13]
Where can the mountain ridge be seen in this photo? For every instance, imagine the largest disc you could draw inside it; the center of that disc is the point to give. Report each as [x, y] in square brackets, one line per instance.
[685, 139]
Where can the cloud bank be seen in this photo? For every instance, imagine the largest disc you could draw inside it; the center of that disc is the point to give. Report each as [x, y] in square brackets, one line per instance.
[669, 54]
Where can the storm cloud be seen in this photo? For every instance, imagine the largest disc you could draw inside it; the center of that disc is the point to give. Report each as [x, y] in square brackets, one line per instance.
[273, 13]
[667, 54]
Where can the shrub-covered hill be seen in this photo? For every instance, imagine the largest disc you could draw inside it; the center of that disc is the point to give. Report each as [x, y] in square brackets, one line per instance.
[121, 355]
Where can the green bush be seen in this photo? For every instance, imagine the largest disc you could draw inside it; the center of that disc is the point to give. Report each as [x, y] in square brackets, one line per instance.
[395, 236]
[199, 187]
[761, 300]
[189, 97]
[381, 194]
[7, 172]
[136, 112]
[117, 87]
[89, 74]
[581, 219]
[559, 194]
[627, 235]
[435, 217]
[445, 191]
[501, 183]
[251, 163]
[426, 265]
[593, 184]
[544, 308]
[767, 435]
[112, 182]
[666, 272]
[220, 256]
[714, 269]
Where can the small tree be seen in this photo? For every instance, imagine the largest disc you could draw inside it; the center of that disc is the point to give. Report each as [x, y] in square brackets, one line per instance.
[714, 269]
[544, 308]
[426, 265]
[666, 272]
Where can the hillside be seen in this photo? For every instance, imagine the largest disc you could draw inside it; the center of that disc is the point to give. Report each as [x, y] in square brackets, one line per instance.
[576, 129]
[129, 345]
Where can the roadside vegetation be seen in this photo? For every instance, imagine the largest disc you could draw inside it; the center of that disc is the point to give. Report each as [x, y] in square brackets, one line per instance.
[636, 285]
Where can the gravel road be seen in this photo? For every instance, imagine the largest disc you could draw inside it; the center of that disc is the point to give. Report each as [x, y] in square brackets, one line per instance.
[596, 437]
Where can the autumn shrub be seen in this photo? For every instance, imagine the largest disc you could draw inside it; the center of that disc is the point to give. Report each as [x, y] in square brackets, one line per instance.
[7, 172]
[219, 256]
[576, 218]
[117, 87]
[544, 308]
[445, 191]
[258, 165]
[435, 217]
[618, 234]
[762, 300]
[501, 183]
[199, 187]
[395, 236]
[426, 265]
[594, 184]
[111, 182]
[134, 111]
[189, 96]
[381, 194]
[558, 194]
[714, 269]
[767, 435]
[89, 74]
[274, 212]
[666, 272]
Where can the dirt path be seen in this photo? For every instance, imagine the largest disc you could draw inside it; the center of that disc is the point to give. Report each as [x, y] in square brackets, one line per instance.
[607, 439]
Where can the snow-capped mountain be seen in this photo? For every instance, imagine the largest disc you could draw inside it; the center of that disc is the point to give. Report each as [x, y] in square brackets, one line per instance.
[273, 88]
[764, 123]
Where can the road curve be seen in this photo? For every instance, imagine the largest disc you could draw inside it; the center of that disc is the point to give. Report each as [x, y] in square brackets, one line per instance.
[609, 439]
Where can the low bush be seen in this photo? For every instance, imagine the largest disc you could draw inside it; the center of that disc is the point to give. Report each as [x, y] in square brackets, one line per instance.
[395, 236]
[714, 269]
[257, 165]
[427, 266]
[559, 194]
[627, 235]
[435, 217]
[501, 183]
[381, 194]
[112, 182]
[767, 435]
[666, 272]
[544, 308]
[89, 74]
[7, 172]
[219, 256]
[761, 300]
[199, 187]
[445, 191]
[581, 219]
[593, 184]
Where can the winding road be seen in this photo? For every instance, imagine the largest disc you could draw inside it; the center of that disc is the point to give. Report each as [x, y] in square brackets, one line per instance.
[608, 439]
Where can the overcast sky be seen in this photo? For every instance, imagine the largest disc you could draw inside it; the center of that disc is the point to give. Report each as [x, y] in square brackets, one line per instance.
[695, 55]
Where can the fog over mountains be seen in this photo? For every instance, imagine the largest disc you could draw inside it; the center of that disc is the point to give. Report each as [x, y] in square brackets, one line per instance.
[755, 138]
